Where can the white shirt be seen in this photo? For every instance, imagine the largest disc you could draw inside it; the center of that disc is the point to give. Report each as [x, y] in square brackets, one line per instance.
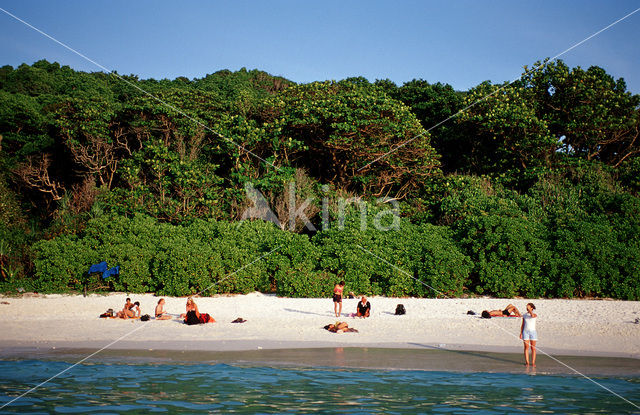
[529, 322]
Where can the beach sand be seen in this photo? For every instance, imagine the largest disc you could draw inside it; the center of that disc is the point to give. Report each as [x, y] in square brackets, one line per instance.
[40, 323]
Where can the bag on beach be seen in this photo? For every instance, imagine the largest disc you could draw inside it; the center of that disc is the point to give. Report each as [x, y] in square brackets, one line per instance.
[107, 314]
[146, 317]
[400, 310]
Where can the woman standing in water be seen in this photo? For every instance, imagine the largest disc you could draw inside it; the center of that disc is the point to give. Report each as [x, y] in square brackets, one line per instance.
[337, 298]
[529, 335]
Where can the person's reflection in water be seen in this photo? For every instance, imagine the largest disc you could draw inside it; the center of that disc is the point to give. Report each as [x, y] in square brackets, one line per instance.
[338, 357]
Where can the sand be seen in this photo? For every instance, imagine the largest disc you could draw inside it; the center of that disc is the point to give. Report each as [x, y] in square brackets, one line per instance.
[565, 327]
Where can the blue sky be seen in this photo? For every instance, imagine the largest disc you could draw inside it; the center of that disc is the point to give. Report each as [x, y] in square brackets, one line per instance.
[461, 43]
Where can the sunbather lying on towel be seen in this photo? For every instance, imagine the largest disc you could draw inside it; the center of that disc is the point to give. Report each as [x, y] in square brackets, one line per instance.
[340, 327]
[509, 311]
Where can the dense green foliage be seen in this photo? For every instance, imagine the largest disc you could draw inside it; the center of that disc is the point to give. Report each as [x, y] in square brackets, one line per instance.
[529, 188]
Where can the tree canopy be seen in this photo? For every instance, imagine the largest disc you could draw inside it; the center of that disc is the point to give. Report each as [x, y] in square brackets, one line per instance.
[527, 188]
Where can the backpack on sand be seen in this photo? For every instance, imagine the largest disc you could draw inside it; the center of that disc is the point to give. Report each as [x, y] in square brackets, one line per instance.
[400, 310]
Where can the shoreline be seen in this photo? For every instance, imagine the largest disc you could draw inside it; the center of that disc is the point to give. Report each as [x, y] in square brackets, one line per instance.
[225, 346]
[348, 358]
[600, 328]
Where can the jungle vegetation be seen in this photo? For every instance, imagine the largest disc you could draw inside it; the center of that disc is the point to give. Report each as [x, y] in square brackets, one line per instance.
[527, 189]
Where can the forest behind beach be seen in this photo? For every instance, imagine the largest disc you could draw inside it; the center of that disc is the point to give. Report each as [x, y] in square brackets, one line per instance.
[244, 181]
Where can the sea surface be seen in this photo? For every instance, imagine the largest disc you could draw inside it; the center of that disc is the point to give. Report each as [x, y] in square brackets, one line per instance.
[111, 387]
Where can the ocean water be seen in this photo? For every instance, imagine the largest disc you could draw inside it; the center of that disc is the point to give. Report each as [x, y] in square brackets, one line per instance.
[247, 388]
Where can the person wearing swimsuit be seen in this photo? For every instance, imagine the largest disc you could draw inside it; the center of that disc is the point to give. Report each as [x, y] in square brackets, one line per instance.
[193, 316]
[128, 310]
[509, 311]
[160, 313]
[529, 335]
[337, 298]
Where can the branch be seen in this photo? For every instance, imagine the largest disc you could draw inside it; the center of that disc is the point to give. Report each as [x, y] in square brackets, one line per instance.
[35, 173]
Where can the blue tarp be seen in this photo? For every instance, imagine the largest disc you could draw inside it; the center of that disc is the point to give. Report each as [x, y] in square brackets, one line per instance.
[112, 271]
[101, 267]
[104, 269]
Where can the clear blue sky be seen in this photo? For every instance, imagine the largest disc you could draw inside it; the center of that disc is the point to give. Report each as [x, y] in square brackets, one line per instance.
[461, 43]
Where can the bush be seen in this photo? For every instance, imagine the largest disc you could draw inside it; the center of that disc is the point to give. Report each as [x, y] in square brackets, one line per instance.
[60, 263]
[509, 255]
[500, 243]
[415, 260]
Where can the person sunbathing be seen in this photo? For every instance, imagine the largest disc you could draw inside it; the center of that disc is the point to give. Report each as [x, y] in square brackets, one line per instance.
[509, 311]
[128, 310]
[340, 327]
[160, 313]
[193, 316]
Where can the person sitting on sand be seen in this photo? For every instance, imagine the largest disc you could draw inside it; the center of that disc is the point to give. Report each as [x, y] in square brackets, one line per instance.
[128, 310]
[193, 316]
[160, 313]
[127, 306]
[340, 327]
[364, 308]
[509, 311]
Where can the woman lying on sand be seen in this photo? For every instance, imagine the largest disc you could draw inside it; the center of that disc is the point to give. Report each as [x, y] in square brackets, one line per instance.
[509, 311]
[340, 327]
[160, 313]
[193, 316]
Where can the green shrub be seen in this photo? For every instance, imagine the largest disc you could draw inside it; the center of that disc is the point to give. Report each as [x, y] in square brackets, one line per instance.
[415, 260]
[61, 263]
[508, 254]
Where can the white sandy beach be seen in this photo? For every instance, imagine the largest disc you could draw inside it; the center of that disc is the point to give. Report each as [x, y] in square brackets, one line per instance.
[565, 327]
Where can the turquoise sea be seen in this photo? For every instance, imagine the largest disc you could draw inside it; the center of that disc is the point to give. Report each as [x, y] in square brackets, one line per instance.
[134, 386]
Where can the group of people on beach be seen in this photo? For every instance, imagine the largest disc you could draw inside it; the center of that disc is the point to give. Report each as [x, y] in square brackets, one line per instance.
[191, 316]
[130, 310]
[363, 309]
[528, 333]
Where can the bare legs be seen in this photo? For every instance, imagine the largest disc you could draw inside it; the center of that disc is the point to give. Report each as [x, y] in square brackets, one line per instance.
[533, 353]
[531, 343]
[337, 308]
